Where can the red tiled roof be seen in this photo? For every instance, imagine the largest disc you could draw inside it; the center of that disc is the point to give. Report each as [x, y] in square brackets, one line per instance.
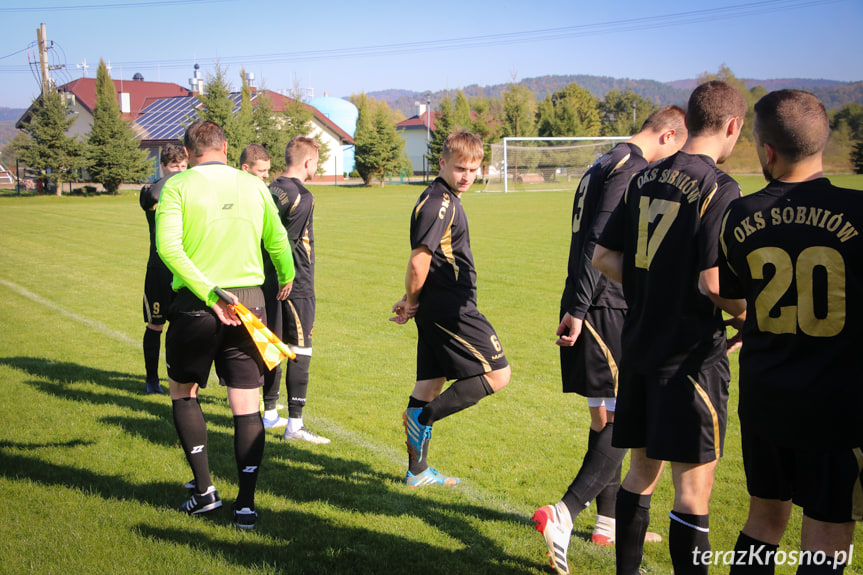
[418, 122]
[141, 93]
[279, 103]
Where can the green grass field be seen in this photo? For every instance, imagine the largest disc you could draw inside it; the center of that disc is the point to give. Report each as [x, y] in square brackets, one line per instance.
[91, 470]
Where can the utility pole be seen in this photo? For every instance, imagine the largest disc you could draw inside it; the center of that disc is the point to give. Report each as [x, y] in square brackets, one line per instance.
[42, 38]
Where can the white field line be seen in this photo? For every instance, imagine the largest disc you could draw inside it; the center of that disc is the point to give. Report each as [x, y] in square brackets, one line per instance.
[23, 292]
[395, 457]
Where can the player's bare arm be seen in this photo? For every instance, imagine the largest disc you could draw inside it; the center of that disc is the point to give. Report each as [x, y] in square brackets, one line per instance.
[415, 278]
[609, 262]
[708, 284]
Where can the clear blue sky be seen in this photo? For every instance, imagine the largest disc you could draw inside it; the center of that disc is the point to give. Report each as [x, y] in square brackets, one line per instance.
[343, 47]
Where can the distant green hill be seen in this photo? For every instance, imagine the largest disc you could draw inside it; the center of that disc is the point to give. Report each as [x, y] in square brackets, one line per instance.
[11, 114]
[834, 94]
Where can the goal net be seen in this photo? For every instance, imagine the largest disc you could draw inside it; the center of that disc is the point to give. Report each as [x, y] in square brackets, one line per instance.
[543, 164]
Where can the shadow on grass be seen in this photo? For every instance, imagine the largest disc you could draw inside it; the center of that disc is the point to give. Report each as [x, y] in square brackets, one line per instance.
[298, 474]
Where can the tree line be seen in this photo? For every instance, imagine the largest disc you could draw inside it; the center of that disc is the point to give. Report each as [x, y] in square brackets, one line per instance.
[111, 155]
[110, 152]
[571, 110]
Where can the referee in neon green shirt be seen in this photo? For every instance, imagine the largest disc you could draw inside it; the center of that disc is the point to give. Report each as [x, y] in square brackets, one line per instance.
[210, 223]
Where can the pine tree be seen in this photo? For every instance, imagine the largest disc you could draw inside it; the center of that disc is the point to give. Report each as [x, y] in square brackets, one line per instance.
[519, 106]
[461, 113]
[443, 127]
[857, 157]
[268, 132]
[571, 111]
[379, 148]
[623, 114]
[217, 106]
[484, 127]
[47, 147]
[113, 153]
[243, 132]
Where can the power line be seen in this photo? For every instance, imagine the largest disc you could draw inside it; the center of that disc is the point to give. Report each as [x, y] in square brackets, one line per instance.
[107, 6]
[615, 26]
[478, 41]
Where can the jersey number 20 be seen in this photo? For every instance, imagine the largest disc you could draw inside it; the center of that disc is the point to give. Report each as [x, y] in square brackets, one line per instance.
[832, 304]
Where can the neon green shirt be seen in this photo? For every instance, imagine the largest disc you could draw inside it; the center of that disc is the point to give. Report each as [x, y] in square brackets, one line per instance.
[209, 225]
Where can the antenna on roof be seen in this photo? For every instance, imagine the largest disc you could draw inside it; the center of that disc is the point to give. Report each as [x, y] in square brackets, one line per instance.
[83, 66]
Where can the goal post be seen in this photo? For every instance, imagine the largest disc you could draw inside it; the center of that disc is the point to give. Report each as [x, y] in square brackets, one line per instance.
[543, 164]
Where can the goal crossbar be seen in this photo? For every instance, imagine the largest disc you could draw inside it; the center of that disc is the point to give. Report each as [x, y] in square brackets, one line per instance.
[510, 143]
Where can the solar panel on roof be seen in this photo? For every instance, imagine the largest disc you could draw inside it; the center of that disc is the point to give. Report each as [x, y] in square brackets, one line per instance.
[167, 118]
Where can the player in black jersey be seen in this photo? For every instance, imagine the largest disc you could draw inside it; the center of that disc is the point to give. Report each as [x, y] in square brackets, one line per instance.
[295, 318]
[255, 160]
[455, 341]
[794, 250]
[592, 309]
[157, 283]
[662, 242]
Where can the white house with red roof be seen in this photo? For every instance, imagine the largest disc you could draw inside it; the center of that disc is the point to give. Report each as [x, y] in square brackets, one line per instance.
[159, 112]
[416, 132]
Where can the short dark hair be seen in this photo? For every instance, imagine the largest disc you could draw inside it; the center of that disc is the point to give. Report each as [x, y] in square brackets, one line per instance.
[794, 122]
[203, 136]
[254, 153]
[299, 148]
[173, 153]
[666, 118]
[712, 105]
[463, 145]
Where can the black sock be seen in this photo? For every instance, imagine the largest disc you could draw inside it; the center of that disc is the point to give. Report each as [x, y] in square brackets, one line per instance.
[272, 383]
[417, 467]
[152, 344]
[688, 540]
[633, 516]
[192, 431]
[249, 439]
[607, 498]
[600, 466]
[748, 547]
[297, 384]
[460, 395]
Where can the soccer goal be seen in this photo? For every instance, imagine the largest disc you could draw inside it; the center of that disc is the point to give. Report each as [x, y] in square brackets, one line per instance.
[543, 164]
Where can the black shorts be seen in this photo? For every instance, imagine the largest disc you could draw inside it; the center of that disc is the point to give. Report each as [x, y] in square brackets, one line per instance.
[196, 339]
[458, 347]
[589, 367]
[680, 418]
[825, 483]
[298, 321]
[158, 294]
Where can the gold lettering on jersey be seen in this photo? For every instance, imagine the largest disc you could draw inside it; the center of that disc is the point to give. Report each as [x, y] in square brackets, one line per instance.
[821, 218]
[687, 186]
[444, 205]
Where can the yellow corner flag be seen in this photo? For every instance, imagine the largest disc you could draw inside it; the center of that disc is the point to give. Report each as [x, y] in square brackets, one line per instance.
[271, 348]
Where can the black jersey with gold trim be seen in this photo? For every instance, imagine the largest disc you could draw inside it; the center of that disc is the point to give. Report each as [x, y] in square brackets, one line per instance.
[296, 206]
[599, 191]
[148, 199]
[439, 223]
[667, 227]
[795, 252]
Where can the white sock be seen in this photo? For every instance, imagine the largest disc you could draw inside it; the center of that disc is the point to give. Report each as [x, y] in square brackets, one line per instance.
[271, 414]
[565, 516]
[604, 526]
[294, 424]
